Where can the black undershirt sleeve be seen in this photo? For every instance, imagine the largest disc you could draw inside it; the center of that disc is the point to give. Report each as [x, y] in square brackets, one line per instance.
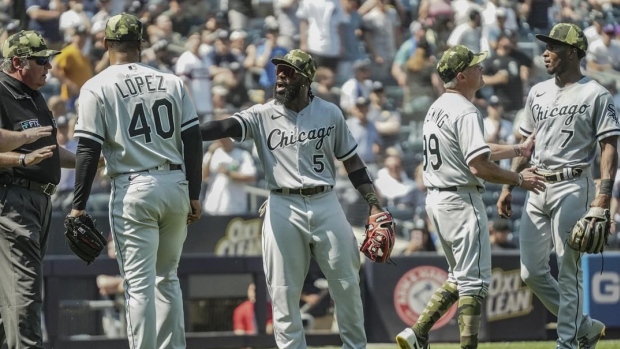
[217, 129]
[192, 157]
[86, 163]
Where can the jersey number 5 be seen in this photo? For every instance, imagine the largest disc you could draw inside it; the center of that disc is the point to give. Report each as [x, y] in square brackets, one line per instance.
[139, 126]
[430, 148]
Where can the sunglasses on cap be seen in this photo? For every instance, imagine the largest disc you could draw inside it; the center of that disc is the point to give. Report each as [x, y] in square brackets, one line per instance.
[42, 61]
[287, 70]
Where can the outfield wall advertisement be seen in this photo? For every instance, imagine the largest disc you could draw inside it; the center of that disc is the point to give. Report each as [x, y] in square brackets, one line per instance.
[397, 295]
[601, 285]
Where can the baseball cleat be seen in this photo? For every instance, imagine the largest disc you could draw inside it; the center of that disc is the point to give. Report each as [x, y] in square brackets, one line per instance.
[407, 339]
[596, 332]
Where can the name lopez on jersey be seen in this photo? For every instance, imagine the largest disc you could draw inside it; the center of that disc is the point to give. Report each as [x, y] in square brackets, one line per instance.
[135, 85]
[281, 139]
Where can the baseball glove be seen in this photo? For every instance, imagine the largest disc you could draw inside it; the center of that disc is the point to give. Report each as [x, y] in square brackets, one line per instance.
[379, 239]
[83, 237]
[590, 233]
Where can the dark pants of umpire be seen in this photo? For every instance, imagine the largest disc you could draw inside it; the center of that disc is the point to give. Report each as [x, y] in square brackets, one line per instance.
[24, 225]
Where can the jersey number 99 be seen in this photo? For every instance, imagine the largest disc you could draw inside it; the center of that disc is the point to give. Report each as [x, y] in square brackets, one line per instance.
[431, 153]
[139, 126]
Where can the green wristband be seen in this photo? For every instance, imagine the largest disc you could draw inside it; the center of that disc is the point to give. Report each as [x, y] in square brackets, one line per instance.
[606, 186]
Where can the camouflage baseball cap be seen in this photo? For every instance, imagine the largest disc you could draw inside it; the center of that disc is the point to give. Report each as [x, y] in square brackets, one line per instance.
[301, 61]
[124, 27]
[456, 59]
[26, 43]
[566, 33]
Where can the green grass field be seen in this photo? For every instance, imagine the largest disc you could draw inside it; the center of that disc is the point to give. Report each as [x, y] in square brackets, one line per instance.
[604, 344]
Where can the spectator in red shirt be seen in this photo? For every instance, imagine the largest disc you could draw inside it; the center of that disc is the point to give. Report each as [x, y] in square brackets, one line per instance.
[244, 321]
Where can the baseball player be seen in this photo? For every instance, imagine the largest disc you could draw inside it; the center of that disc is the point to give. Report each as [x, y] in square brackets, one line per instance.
[297, 137]
[147, 126]
[570, 114]
[457, 161]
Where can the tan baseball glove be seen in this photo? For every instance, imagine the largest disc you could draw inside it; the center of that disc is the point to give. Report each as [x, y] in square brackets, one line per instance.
[590, 233]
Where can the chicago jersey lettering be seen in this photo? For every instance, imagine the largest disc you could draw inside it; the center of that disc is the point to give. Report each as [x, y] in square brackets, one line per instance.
[566, 119]
[298, 149]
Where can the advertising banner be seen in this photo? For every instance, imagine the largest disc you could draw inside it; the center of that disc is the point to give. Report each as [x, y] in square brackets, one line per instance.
[397, 295]
[219, 235]
[601, 286]
[510, 304]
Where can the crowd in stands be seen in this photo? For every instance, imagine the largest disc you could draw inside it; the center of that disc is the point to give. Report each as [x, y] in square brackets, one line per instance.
[376, 61]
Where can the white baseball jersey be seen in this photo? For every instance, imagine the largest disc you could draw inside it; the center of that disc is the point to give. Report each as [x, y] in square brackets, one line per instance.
[569, 121]
[133, 110]
[297, 150]
[453, 136]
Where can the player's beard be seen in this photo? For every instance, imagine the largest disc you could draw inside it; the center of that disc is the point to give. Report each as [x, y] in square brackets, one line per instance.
[290, 93]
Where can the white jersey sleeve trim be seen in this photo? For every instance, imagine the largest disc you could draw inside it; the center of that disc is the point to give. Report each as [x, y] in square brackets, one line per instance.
[524, 132]
[244, 126]
[95, 137]
[473, 154]
[188, 124]
[348, 155]
[608, 133]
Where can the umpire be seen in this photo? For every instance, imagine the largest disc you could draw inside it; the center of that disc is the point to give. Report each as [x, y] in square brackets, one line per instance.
[28, 177]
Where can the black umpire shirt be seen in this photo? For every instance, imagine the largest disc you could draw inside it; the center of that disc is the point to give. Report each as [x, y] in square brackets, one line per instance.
[22, 108]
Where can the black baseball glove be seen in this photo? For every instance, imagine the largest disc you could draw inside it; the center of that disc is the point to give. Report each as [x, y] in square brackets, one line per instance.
[83, 237]
[590, 233]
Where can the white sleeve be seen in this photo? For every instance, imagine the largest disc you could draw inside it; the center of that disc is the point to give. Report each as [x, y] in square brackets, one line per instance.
[247, 120]
[189, 117]
[90, 121]
[302, 10]
[181, 67]
[605, 117]
[470, 131]
[527, 125]
[345, 145]
[455, 37]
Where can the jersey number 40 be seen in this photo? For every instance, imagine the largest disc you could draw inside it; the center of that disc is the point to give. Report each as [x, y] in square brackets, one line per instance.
[139, 125]
[431, 154]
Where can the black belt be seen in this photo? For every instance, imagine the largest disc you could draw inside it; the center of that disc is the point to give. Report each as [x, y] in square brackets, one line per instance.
[45, 188]
[454, 188]
[567, 173]
[304, 191]
[171, 167]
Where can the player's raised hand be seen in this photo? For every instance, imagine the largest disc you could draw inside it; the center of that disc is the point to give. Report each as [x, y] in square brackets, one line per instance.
[196, 211]
[532, 181]
[35, 133]
[39, 155]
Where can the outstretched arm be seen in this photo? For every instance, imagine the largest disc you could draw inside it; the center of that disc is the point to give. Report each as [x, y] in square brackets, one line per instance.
[217, 129]
[506, 151]
[11, 140]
